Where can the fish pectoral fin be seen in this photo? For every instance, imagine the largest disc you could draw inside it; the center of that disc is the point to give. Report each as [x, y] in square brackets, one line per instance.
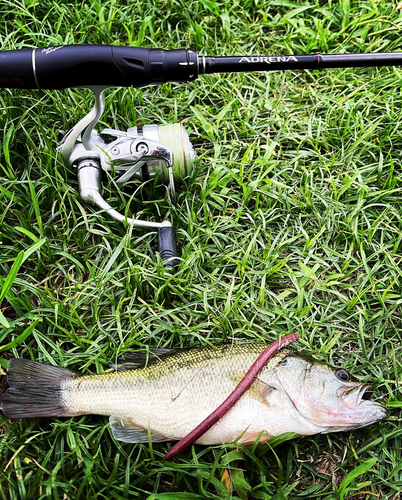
[126, 430]
[258, 390]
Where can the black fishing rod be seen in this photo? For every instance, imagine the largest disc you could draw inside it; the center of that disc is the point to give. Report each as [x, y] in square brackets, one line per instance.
[116, 66]
[145, 152]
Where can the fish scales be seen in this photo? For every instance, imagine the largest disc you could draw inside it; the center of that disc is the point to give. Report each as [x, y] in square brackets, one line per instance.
[174, 395]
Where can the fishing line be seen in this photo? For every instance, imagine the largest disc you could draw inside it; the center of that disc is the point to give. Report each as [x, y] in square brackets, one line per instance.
[164, 313]
[160, 315]
[274, 134]
[388, 393]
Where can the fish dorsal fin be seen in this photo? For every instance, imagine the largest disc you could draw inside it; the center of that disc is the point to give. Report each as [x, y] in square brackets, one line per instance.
[258, 390]
[139, 359]
[126, 430]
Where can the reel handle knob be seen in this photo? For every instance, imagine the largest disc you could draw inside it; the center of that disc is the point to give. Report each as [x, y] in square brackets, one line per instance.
[167, 246]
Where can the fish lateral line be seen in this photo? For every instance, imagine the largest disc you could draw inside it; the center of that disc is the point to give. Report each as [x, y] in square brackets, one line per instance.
[233, 397]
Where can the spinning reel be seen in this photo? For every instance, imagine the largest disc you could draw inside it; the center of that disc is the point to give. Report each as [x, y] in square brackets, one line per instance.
[163, 153]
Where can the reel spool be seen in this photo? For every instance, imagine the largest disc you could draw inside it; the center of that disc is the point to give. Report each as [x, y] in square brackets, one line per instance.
[162, 153]
[119, 153]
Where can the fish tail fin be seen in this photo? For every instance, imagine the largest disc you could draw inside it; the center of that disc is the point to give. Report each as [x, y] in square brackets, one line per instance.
[35, 390]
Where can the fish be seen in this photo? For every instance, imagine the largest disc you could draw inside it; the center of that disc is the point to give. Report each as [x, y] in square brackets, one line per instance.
[163, 395]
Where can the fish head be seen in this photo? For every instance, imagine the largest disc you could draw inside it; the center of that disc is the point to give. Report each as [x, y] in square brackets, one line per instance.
[329, 398]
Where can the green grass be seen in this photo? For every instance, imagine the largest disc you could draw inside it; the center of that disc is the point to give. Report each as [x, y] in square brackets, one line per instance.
[291, 221]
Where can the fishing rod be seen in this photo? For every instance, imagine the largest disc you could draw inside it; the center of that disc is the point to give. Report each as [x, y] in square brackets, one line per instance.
[69, 66]
[145, 152]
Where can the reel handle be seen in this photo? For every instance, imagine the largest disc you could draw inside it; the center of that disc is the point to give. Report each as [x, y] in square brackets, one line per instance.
[90, 188]
[167, 246]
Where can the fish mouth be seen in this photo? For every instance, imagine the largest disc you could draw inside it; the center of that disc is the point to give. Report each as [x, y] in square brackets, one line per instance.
[353, 397]
[359, 399]
[356, 401]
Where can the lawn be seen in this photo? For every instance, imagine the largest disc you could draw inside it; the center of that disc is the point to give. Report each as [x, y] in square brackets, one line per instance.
[290, 222]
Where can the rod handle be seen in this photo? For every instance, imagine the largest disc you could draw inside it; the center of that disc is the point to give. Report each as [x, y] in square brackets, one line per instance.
[167, 246]
[67, 66]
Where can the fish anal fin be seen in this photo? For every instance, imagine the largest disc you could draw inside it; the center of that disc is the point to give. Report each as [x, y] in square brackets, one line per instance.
[259, 390]
[126, 430]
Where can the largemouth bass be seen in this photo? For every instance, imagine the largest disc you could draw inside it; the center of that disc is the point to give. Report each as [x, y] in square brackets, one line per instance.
[168, 395]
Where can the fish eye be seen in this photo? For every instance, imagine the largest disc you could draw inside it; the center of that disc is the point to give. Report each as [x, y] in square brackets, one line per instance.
[343, 375]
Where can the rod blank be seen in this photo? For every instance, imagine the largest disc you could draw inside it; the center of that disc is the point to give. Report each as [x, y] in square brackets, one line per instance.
[281, 63]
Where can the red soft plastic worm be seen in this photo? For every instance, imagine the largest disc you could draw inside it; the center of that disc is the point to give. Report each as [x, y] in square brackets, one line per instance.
[239, 390]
